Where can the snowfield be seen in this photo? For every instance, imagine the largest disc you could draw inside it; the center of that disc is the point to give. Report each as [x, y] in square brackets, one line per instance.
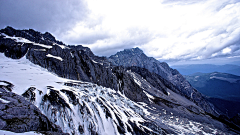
[3, 132]
[100, 108]
[85, 108]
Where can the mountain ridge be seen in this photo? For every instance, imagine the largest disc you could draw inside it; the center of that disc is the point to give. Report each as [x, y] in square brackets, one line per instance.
[222, 89]
[162, 69]
[208, 68]
[216, 84]
[165, 95]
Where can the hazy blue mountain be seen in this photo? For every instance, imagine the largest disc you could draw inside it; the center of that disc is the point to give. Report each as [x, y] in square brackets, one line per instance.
[222, 89]
[207, 68]
[218, 85]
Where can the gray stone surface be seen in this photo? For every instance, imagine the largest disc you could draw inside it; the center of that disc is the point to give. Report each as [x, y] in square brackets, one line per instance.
[18, 115]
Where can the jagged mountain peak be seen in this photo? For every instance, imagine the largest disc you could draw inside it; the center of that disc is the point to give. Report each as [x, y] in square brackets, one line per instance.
[47, 34]
[162, 69]
[129, 52]
[31, 35]
[135, 50]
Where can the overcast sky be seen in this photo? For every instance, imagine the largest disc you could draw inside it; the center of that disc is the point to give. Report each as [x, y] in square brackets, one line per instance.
[176, 31]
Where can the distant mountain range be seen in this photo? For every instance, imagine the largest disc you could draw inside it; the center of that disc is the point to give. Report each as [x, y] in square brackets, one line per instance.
[218, 85]
[222, 89]
[207, 68]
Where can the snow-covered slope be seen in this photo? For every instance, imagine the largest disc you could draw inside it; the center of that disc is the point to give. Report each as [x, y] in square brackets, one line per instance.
[86, 108]
[2, 132]
[77, 107]
[108, 100]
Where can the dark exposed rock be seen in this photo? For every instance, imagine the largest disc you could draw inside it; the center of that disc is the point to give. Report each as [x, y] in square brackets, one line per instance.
[29, 94]
[81, 129]
[136, 57]
[18, 115]
[56, 100]
[236, 119]
[13, 49]
[160, 101]
[8, 85]
[139, 130]
[128, 87]
[71, 96]
[154, 79]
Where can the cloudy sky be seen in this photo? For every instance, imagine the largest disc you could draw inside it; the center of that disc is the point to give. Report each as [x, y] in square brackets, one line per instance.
[176, 31]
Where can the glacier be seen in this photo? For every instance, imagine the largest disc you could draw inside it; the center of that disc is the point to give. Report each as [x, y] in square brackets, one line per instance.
[99, 98]
[82, 107]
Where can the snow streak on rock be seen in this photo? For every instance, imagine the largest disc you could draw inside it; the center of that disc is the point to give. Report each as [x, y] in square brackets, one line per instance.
[56, 57]
[23, 40]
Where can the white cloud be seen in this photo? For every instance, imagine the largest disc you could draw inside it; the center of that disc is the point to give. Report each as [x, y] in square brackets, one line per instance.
[164, 29]
[226, 50]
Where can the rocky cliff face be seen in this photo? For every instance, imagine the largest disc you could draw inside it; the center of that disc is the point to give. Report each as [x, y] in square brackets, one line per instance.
[73, 62]
[151, 97]
[136, 57]
[77, 107]
[18, 115]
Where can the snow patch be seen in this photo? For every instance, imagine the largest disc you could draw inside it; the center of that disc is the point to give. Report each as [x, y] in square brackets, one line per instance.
[148, 95]
[142, 103]
[56, 57]
[184, 126]
[42, 45]
[136, 80]
[23, 40]
[3, 83]
[4, 101]
[62, 46]
[94, 61]
[71, 55]
[24, 74]
[40, 50]
[3, 132]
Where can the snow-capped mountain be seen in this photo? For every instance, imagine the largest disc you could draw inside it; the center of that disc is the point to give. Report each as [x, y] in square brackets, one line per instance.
[86, 94]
